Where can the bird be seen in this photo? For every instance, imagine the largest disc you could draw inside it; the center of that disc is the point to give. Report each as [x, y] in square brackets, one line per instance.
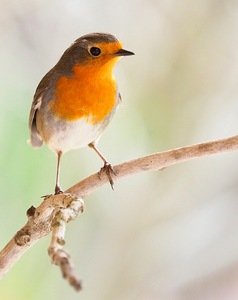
[76, 100]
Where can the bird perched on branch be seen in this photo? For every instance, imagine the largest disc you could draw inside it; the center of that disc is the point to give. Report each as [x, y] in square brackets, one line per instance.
[77, 98]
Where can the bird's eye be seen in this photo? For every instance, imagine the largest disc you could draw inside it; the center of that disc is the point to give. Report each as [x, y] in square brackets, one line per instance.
[95, 51]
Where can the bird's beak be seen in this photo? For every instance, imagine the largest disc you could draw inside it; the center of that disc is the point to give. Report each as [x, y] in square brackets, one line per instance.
[123, 52]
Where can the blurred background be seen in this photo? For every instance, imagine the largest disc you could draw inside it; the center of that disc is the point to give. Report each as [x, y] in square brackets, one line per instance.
[168, 235]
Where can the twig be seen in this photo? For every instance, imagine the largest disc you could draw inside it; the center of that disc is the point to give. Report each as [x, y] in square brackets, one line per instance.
[40, 219]
[155, 162]
[58, 255]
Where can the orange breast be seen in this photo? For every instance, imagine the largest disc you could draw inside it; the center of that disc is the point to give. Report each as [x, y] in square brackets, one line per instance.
[90, 93]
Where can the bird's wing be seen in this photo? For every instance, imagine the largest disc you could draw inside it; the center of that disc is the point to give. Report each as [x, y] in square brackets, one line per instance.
[35, 138]
[40, 95]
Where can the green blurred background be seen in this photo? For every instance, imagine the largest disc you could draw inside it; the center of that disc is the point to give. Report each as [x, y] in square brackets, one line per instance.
[168, 235]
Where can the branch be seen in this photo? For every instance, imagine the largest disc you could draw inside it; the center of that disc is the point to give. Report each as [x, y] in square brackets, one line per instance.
[56, 210]
[58, 255]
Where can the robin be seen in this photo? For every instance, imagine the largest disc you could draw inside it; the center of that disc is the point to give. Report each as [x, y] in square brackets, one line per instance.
[77, 98]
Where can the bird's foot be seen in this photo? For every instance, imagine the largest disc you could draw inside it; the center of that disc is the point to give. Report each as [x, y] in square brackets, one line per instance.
[58, 190]
[108, 169]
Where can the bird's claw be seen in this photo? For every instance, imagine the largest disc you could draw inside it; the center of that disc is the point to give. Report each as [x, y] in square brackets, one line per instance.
[108, 169]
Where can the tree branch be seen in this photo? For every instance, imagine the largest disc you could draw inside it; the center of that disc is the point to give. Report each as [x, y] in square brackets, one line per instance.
[65, 207]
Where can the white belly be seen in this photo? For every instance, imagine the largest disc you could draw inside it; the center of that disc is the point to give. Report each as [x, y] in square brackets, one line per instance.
[76, 135]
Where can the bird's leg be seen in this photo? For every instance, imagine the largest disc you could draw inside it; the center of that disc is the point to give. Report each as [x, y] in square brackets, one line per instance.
[57, 185]
[107, 168]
